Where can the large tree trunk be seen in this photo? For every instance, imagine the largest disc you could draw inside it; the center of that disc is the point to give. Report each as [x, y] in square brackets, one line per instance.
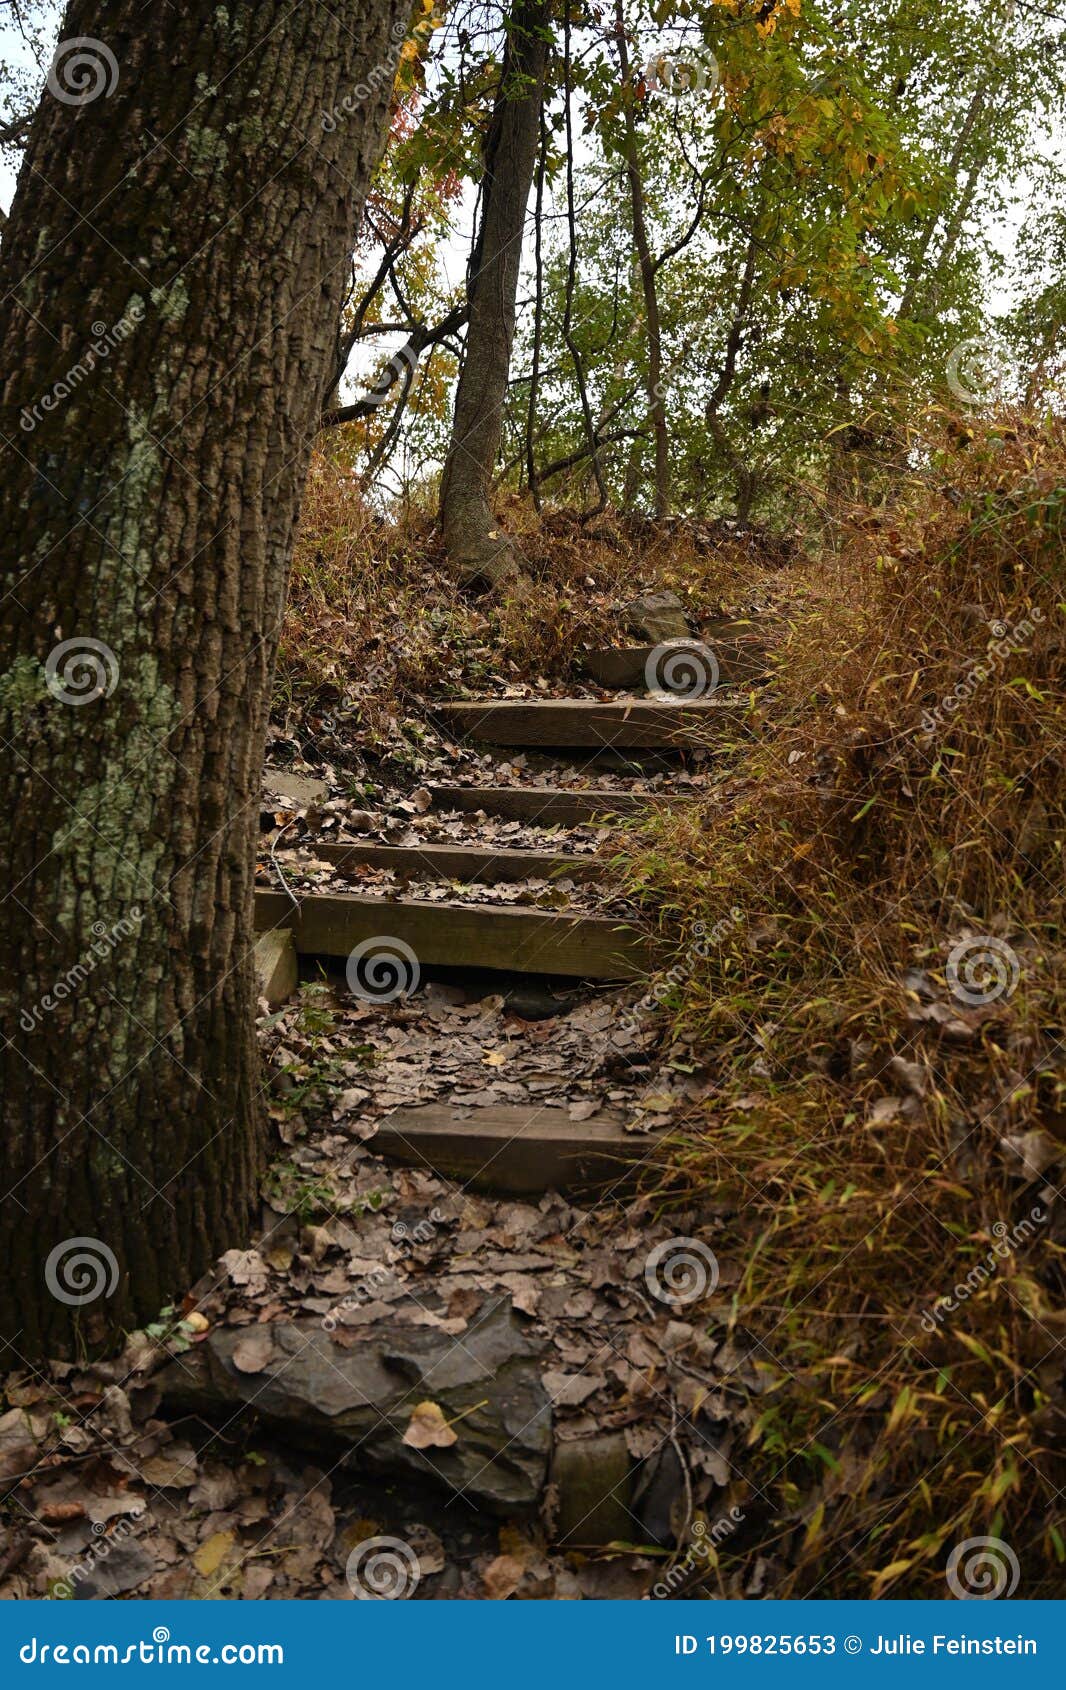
[476, 551]
[186, 206]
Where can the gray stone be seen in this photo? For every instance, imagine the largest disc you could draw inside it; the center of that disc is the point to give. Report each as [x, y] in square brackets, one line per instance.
[123, 1569]
[658, 617]
[357, 1402]
[276, 968]
[300, 790]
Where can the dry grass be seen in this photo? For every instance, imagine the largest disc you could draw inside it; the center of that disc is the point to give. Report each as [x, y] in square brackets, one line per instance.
[372, 613]
[862, 1108]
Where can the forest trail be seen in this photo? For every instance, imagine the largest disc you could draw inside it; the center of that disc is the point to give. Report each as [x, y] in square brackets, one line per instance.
[408, 907]
[469, 1353]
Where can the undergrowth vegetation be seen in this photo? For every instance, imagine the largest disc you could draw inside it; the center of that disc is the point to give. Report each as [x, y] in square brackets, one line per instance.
[882, 1003]
[884, 1012]
[373, 615]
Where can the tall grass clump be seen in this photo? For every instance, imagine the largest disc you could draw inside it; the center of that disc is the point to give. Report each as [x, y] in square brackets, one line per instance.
[882, 1014]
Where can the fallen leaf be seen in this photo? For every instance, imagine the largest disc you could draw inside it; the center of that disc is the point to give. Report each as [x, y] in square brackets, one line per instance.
[567, 1390]
[584, 1111]
[1034, 1151]
[252, 1354]
[54, 1513]
[428, 1429]
[175, 1468]
[502, 1577]
[212, 1552]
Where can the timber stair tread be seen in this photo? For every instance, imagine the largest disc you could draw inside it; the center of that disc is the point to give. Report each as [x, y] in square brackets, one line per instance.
[518, 1150]
[502, 937]
[546, 806]
[654, 724]
[482, 865]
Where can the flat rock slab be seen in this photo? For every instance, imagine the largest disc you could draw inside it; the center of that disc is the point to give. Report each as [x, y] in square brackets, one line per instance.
[658, 724]
[520, 1151]
[299, 789]
[677, 666]
[357, 1401]
[276, 968]
[543, 806]
[459, 935]
[460, 862]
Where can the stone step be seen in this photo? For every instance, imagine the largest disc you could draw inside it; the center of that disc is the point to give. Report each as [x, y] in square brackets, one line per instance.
[581, 947]
[276, 972]
[656, 724]
[542, 806]
[476, 864]
[520, 1151]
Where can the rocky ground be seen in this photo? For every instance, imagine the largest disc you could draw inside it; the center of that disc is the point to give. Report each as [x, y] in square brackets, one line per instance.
[509, 1389]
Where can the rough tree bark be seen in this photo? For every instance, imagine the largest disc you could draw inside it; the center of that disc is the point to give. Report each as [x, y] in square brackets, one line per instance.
[186, 211]
[480, 555]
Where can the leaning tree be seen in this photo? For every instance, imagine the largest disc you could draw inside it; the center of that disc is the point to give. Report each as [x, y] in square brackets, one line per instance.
[172, 271]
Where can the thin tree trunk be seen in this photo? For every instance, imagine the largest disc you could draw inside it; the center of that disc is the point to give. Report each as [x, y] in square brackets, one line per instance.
[571, 279]
[193, 218]
[631, 159]
[538, 318]
[475, 550]
[918, 274]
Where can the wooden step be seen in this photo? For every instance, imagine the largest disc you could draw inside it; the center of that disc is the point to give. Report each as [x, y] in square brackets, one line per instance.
[521, 1151]
[675, 666]
[657, 724]
[460, 862]
[544, 806]
[582, 947]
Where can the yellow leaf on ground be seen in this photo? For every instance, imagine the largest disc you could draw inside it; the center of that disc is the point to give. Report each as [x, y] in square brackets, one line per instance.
[428, 1428]
[212, 1552]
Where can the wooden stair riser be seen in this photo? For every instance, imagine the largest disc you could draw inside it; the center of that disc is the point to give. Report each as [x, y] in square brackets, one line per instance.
[583, 724]
[540, 806]
[461, 935]
[630, 666]
[520, 1151]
